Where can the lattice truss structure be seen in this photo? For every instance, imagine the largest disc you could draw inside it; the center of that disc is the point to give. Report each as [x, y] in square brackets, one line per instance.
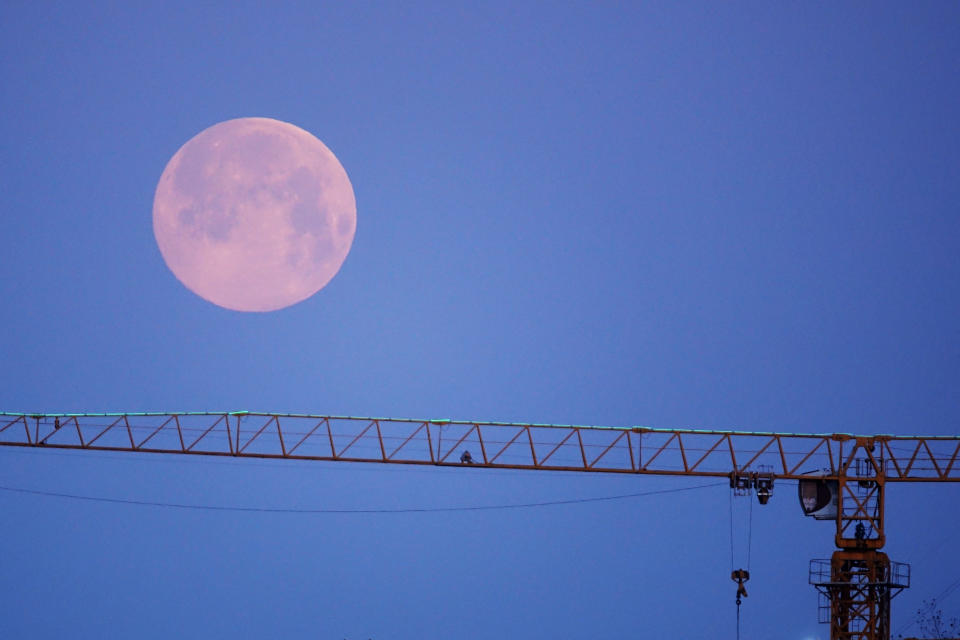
[856, 588]
[857, 583]
[637, 450]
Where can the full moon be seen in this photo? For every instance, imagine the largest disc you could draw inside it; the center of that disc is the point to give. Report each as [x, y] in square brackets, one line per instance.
[254, 214]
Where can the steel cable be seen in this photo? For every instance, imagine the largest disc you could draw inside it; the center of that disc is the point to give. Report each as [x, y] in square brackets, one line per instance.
[499, 507]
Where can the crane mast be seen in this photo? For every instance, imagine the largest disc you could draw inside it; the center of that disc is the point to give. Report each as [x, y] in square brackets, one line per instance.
[843, 477]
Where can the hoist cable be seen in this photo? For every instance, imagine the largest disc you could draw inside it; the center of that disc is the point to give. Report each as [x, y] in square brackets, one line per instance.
[732, 562]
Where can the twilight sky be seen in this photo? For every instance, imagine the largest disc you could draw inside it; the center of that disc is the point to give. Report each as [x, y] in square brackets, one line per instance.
[740, 216]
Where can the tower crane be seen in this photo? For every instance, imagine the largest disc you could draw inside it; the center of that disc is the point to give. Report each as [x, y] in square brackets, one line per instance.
[841, 477]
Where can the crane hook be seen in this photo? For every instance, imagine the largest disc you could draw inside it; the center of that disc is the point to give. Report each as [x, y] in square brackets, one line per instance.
[740, 576]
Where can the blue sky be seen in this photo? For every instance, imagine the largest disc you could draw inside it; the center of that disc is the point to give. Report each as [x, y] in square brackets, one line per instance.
[739, 216]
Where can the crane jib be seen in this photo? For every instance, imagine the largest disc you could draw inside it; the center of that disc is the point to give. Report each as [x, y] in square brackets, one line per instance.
[639, 450]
